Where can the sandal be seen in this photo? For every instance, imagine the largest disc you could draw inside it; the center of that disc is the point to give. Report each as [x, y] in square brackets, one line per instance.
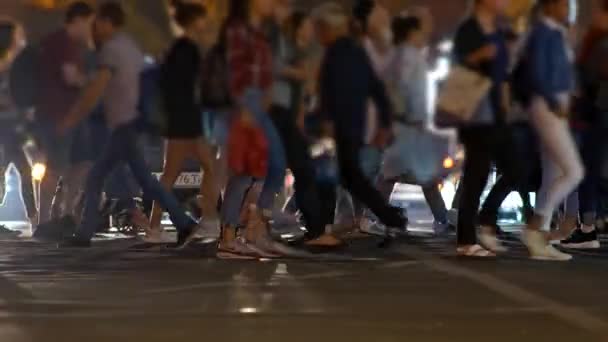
[474, 251]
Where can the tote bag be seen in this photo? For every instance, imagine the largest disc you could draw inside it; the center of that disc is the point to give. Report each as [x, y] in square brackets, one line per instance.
[460, 96]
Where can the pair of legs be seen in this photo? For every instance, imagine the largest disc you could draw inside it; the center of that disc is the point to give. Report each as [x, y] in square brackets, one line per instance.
[310, 195]
[177, 152]
[122, 148]
[355, 181]
[237, 186]
[484, 145]
[57, 150]
[583, 203]
[431, 192]
[561, 163]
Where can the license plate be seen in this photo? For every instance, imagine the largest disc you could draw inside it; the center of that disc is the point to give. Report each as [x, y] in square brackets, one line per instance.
[186, 180]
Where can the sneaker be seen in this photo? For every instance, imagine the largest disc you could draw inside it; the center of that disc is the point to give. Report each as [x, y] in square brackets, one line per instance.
[208, 230]
[372, 227]
[581, 240]
[74, 242]
[443, 228]
[540, 249]
[490, 241]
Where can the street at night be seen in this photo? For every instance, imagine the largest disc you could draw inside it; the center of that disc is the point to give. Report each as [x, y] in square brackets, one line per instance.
[411, 292]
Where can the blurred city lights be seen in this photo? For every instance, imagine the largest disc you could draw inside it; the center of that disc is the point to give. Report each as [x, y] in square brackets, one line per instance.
[38, 171]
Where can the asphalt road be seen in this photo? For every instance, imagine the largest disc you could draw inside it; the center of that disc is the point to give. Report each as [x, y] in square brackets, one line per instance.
[415, 291]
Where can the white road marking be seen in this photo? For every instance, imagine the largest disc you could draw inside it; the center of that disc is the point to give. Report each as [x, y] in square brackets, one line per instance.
[570, 314]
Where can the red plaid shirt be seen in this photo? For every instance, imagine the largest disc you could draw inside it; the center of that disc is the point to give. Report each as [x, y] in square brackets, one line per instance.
[249, 59]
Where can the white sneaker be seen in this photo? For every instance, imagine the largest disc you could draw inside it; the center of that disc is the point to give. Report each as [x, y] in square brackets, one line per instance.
[540, 249]
[208, 230]
[491, 243]
[372, 227]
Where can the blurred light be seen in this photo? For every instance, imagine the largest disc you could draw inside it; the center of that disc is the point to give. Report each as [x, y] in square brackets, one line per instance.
[248, 310]
[446, 46]
[38, 171]
[448, 163]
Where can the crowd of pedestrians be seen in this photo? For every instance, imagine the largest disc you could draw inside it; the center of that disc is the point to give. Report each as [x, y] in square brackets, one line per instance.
[339, 97]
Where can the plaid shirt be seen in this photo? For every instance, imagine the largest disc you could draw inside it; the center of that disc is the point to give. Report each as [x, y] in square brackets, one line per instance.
[249, 59]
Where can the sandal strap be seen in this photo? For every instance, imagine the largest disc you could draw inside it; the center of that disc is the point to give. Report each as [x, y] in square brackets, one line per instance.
[475, 251]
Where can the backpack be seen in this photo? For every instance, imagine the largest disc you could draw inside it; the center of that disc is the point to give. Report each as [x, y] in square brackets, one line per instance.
[24, 78]
[214, 85]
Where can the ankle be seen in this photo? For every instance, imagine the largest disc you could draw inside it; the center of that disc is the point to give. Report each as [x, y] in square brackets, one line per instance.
[487, 230]
[535, 223]
[228, 234]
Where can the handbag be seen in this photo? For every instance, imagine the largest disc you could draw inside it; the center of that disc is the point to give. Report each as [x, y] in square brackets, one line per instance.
[247, 149]
[460, 96]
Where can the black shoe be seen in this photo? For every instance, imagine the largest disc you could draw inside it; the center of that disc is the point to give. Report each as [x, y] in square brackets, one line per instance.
[74, 242]
[582, 240]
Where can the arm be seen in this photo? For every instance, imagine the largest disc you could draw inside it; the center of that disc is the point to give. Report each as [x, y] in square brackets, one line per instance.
[88, 100]
[380, 98]
[72, 75]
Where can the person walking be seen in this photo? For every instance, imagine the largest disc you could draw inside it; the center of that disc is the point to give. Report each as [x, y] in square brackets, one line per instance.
[294, 64]
[116, 82]
[407, 84]
[249, 58]
[590, 125]
[184, 133]
[480, 46]
[347, 81]
[550, 75]
[62, 75]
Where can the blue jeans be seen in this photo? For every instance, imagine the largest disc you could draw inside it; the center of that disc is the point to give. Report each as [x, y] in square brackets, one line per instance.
[121, 148]
[252, 101]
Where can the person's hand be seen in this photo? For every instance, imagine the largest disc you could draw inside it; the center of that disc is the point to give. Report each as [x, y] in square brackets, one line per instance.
[383, 137]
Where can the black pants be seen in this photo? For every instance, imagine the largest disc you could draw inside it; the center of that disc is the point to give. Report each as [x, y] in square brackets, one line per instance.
[485, 146]
[360, 187]
[13, 153]
[315, 201]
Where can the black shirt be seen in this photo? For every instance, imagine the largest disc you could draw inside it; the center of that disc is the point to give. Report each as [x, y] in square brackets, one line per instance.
[179, 85]
[347, 82]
